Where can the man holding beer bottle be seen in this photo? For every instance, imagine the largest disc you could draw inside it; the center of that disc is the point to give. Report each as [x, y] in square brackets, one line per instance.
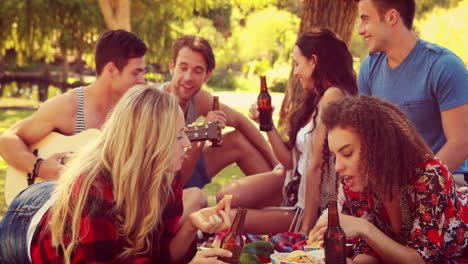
[191, 66]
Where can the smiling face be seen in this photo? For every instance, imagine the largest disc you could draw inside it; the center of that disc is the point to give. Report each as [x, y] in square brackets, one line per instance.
[189, 72]
[303, 68]
[182, 142]
[373, 28]
[345, 144]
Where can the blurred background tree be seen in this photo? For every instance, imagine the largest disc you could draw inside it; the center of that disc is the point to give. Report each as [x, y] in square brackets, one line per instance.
[56, 38]
[338, 16]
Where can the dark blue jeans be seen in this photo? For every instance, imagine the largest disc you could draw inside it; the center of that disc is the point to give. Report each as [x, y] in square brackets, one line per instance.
[15, 222]
[199, 177]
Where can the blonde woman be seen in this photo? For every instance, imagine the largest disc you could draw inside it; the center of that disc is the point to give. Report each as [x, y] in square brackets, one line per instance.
[119, 199]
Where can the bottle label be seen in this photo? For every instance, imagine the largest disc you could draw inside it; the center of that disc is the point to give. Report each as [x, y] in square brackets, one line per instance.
[266, 121]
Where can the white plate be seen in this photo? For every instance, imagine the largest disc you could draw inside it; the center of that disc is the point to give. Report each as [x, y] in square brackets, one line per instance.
[320, 254]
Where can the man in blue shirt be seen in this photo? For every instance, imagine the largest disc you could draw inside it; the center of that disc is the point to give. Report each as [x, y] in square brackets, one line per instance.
[427, 81]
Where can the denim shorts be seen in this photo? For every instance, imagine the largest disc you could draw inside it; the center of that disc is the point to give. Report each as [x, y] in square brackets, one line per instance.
[199, 177]
[15, 222]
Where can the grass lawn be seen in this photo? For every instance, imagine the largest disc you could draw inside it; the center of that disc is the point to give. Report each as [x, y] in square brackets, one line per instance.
[240, 101]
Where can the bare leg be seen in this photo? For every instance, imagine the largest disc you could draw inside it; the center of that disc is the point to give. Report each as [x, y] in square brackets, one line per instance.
[236, 148]
[193, 200]
[256, 191]
[266, 221]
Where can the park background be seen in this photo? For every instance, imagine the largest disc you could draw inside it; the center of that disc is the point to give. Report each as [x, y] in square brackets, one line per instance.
[46, 46]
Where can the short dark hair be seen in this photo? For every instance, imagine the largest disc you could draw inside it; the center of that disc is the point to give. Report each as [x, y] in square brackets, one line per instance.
[118, 46]
[406, 9]
[197, 44]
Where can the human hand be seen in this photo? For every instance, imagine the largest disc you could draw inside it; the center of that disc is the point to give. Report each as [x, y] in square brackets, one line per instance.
[216, 115]
[209, 256]
[213, 219]
[254, 113]
[351, 225]
[50, 168]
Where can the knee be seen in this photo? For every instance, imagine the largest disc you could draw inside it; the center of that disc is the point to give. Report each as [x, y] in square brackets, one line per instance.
[220, 194]
[230, 188]
[237, 140]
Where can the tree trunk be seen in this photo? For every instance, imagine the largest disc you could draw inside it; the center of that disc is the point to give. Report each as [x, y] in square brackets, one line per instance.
[116, 14]
[43, 85]
[337, 15]
[66, 69]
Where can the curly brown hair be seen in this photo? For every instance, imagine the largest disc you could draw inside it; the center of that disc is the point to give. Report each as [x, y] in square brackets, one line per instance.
[334, 65]
[391, 148]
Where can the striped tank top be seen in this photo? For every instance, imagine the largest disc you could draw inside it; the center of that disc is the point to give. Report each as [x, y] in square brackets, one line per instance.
[80, 119]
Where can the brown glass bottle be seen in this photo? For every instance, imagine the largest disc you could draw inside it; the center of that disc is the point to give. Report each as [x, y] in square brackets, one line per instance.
[217, 142]
[233, 240]
[334, 237]
[264, 106]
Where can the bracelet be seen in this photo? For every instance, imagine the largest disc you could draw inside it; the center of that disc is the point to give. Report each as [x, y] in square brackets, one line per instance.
[35, 171]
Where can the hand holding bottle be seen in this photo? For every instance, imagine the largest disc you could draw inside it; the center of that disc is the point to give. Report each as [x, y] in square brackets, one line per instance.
[264, 107]
[351, 225]
[254, 114]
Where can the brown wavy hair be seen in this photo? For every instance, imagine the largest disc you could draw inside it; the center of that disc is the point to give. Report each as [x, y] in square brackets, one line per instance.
[391, 148]
[197, 44]
[334, 65]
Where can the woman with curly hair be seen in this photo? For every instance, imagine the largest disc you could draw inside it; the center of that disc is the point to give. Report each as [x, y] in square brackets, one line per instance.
[324, 66]
[119, 199]
[402, 201]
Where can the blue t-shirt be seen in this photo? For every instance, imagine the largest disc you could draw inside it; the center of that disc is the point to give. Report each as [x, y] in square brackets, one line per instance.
[431, 79]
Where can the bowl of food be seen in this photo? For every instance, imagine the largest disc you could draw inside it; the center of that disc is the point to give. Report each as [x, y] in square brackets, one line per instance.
[298, 256]
[313, 246]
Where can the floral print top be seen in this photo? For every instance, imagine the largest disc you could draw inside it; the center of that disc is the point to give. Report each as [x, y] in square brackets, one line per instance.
[434, 215]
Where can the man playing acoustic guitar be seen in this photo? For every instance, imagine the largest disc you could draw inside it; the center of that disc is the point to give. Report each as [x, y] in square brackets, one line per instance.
[120, 64]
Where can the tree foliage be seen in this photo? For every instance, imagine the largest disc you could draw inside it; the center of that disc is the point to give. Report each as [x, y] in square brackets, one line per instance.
[448, 28]
[424, 7]
[40, 29]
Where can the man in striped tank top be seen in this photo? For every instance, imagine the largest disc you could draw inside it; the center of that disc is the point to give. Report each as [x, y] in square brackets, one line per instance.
[120, 64]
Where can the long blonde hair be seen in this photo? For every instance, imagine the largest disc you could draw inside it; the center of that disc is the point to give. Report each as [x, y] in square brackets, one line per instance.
[134, 154]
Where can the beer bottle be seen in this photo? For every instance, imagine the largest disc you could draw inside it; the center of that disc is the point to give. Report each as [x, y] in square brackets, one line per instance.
[264, 106]
[334, 237]
[233, 240]
[217, 142]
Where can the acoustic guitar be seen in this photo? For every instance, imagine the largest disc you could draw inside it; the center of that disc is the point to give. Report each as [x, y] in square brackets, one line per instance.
[16, 180]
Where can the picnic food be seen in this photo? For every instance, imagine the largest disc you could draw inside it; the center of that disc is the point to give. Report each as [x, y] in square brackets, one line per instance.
[259, 248]
[299, 256]
[296, 253]
[246, 258]
[313, 244]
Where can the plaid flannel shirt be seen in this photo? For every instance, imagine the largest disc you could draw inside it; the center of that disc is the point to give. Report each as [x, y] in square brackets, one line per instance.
[99, 241]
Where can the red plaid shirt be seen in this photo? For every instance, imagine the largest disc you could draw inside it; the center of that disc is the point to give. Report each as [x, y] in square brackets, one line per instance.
[99, 242]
